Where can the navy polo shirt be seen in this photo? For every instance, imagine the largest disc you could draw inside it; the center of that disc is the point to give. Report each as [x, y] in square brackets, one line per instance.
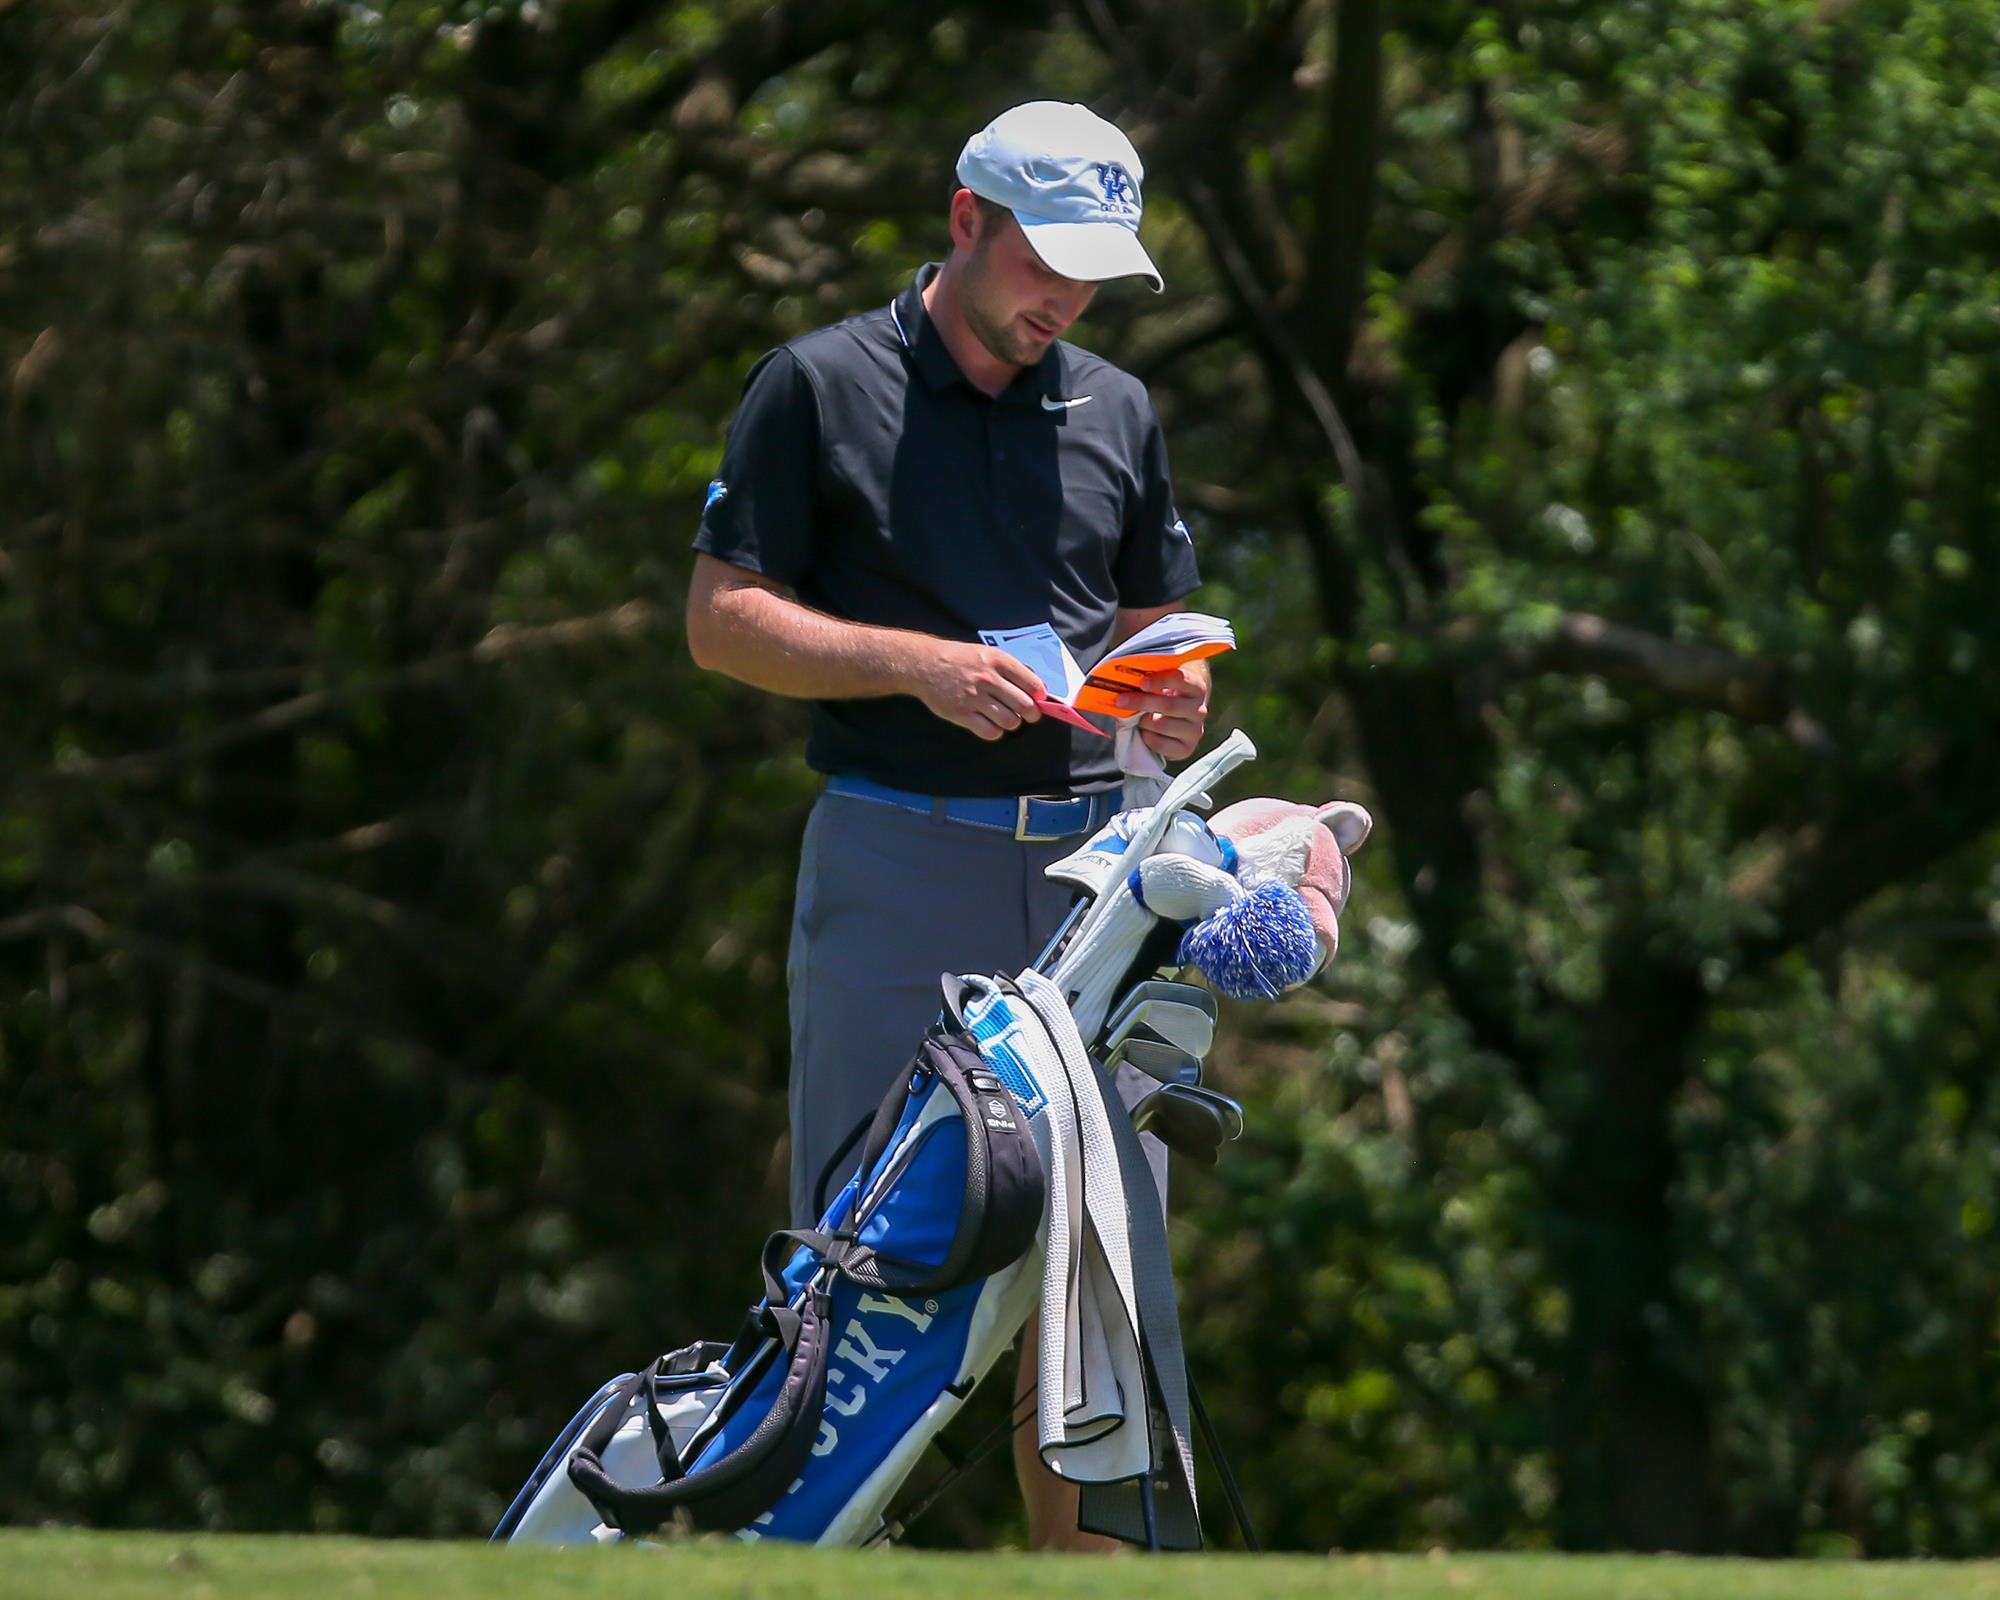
[865, 473]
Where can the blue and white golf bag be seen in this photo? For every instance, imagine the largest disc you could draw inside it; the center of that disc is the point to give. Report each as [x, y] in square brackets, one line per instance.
[1005, 1169]
[869, 1338]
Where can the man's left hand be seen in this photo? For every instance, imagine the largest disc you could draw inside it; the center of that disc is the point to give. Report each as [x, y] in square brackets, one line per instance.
[1173, 710]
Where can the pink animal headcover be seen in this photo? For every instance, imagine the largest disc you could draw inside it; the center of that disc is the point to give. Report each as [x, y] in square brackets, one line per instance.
[1303, 847]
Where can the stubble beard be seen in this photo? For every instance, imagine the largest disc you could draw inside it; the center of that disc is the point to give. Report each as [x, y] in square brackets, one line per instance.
[1003, 340]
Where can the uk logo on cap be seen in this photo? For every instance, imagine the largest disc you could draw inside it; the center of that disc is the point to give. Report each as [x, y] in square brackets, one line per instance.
[1116, 183]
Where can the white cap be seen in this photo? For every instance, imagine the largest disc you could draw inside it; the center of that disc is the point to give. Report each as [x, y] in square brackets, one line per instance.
[1072, 181]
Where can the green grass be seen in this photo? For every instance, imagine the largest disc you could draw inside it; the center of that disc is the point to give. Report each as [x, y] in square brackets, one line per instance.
[134, 1566]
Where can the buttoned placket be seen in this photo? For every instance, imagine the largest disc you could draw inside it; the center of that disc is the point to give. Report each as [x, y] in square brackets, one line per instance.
[993, 437]
[1004, 414]
[1002, 426]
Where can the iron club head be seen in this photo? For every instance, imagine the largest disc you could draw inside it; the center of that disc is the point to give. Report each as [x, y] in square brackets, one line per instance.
[1156, 1058]
[1184, 1121]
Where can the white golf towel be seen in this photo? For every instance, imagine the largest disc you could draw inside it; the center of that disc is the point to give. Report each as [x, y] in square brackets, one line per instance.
[1091, 1385]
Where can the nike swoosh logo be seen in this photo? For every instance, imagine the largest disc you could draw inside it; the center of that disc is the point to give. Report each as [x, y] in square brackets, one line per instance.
[1053, 403]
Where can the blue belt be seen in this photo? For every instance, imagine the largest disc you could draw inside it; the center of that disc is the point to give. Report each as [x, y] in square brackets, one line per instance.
[1032, 818]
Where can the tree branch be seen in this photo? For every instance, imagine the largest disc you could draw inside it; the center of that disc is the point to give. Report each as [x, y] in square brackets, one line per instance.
[628, 621]
[1886, 829]
[1693, 673]
[1552, 191]
[1293, 370]
[707, 91]
[1344, 196]
[86, 924]
[1211, 325]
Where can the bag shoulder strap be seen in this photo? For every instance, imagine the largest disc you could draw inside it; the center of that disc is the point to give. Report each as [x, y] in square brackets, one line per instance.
[741, 1486]
[1000, 1205]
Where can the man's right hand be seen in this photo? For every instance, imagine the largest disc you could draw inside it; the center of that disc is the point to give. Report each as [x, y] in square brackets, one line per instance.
[757, 631]
[977, 686]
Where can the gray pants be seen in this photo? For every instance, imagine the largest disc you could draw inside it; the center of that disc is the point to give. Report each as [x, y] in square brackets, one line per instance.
[887, 901]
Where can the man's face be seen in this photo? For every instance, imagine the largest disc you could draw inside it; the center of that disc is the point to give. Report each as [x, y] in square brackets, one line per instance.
[1013, 304]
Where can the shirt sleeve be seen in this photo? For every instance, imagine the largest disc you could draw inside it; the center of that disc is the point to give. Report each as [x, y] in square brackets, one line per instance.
[1155, 564]
[759, 510]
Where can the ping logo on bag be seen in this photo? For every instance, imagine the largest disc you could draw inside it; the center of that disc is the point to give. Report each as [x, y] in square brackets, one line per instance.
[992, 1102]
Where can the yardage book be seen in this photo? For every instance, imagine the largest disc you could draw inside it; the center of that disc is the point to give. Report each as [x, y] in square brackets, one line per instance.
[1172, 641]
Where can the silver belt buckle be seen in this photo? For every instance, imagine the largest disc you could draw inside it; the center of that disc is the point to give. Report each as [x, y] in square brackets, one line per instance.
[1021, 804]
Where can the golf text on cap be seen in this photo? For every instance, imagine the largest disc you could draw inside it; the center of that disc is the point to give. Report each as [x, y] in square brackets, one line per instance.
[1119, 194]
[1072, 181]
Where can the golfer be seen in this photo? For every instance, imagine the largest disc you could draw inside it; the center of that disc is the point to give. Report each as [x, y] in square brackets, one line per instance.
[892, 487]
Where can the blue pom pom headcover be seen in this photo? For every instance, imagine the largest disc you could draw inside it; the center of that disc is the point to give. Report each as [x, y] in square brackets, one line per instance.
[1256, 947]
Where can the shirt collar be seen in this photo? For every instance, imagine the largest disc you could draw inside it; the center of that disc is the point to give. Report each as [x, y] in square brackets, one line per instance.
[933, 358]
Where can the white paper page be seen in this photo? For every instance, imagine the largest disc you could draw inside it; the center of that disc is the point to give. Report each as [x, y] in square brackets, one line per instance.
[1175, 630]
[1041, 649]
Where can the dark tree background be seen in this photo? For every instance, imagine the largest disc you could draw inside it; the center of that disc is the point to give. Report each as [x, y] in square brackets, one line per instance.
[1586, 412]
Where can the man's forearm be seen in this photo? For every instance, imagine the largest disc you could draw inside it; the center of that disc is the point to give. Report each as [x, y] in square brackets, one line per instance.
[781, 645]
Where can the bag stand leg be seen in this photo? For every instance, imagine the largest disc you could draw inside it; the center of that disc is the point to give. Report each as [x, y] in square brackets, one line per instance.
[1227, 1473]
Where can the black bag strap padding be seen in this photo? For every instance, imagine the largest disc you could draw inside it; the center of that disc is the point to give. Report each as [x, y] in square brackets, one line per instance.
[734, 1491]
[1000, 1208]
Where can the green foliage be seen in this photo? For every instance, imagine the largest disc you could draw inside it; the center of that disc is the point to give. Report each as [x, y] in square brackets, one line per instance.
[392, 920]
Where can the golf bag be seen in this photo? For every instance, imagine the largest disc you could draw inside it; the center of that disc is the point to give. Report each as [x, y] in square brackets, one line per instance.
[873, 1330]
[1004, 1169]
